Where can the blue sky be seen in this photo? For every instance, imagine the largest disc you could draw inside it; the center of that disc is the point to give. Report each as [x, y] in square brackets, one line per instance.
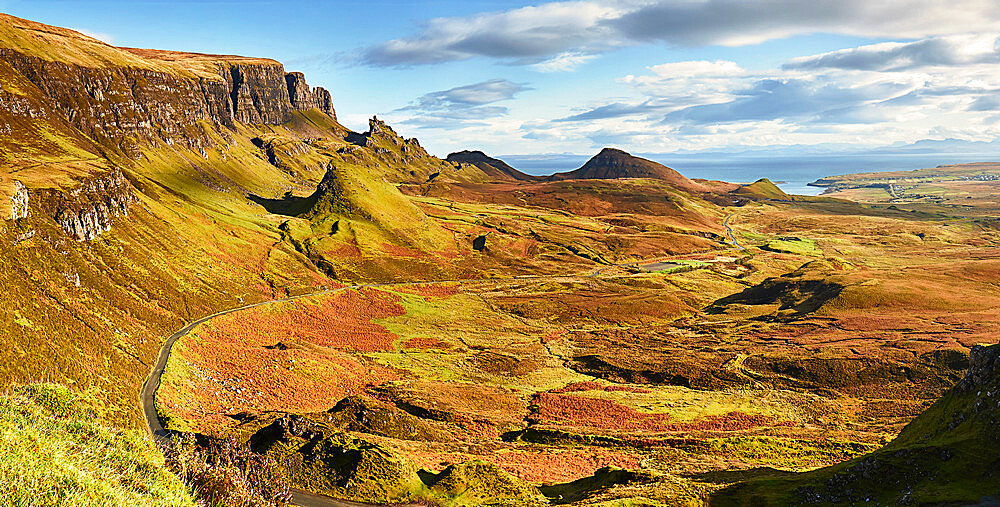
[571, 77]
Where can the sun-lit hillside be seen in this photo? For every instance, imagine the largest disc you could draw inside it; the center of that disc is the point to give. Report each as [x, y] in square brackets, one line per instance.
[200, 261]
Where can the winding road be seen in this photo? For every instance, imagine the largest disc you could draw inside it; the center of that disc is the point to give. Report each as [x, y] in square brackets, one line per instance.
[729, 231]
[162, 436]
[302, 498]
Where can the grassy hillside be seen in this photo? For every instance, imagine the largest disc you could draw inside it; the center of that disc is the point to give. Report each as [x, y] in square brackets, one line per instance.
[553, 328]
[763, 189]
[55, 452]
[946, 456]
[69, 46]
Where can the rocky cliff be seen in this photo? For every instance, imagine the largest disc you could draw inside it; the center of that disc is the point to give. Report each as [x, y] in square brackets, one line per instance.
[115, 104]
[89, 209]
[66, 98]
[302, 98]
[19, 202]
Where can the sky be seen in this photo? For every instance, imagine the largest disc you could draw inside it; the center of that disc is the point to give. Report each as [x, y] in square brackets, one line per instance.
[681, 76]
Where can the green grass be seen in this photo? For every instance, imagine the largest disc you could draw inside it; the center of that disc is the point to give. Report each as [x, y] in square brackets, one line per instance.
[763, 189]
[946, 456]
[54, 452]
[784, 452]
[792, 245]
[683, 266]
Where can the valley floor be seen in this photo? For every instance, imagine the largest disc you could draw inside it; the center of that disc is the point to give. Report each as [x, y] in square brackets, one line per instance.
[814, 343]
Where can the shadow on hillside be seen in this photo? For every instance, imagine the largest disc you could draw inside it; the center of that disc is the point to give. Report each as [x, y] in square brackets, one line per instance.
[731, 476]
[289, 205]
[797, 298]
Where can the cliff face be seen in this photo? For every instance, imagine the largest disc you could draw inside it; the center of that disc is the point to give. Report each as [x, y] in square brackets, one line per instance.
[259, 94]
[19, 202]
[66, 98]
[89, 209]
[112, 105]
[302, 98]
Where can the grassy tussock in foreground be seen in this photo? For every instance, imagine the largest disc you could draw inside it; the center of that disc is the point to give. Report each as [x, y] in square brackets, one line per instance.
[53, 451]
[225, 472]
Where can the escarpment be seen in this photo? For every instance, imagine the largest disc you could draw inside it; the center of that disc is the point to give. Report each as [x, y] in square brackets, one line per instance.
[303, 98]
[89, 209]
[120, 106]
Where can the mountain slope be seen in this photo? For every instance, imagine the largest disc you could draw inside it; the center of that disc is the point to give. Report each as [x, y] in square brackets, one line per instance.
[137, 189]
[762, 189]
[948, 455]
[611, 163]
[494, 167]
[56, 452]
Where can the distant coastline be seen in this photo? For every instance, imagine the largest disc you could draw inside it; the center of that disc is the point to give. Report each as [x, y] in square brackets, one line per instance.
[795, 174]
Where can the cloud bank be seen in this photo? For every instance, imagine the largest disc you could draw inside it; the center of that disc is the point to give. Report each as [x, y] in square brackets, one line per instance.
[561, 30]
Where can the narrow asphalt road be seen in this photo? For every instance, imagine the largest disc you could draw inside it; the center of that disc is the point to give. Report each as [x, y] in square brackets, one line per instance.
[148, 395]
[162, 436]
[729, 231]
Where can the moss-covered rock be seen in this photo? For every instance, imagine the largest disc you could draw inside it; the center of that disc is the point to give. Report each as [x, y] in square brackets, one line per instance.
[328, 461]
[366, 415]
[481, 483]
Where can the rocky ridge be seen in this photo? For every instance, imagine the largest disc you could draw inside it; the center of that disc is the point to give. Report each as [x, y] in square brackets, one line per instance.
[89, 209]
[303, 98]
[116, 105]
[76, 99]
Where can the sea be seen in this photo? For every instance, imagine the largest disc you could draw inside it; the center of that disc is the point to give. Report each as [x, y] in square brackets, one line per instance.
[792, 173]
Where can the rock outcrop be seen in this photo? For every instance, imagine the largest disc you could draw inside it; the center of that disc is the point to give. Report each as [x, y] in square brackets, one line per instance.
[383, 140]
[19, 202]
[984, 370]
[119, 104]
[303, 98]
[335, 463]
[89, 209]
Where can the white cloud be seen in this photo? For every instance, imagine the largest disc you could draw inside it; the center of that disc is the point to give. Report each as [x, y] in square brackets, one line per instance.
[699, 68]
[954, 50]
[943, 83]
[527, 35]
[740, 23]
[562, 62]
[462, 106]
[702, 104]
[530, 35]
[103, 37]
